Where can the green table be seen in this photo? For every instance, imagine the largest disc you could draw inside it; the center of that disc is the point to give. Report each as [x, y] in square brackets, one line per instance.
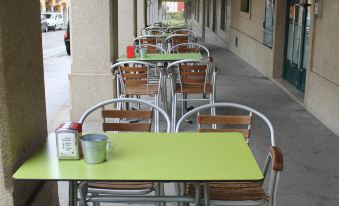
[164, 57]
[162, 157]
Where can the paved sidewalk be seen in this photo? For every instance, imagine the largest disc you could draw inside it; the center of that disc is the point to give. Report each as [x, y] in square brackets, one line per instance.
[311, 169]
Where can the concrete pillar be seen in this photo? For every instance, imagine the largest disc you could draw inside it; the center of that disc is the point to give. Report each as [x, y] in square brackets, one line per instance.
[126, 25]
[22, 103]
[93, 45]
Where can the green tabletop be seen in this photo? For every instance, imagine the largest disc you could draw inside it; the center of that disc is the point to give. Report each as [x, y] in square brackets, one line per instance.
[155, 157]
[164, 57]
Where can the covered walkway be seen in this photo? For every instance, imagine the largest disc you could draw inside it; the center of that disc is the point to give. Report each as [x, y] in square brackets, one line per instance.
[311, 174]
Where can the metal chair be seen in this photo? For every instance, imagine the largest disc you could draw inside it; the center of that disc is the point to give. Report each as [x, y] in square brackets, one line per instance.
[185, 31]
[191, 77]
[151, 49]
[176, 39]
[147, 39]
[136, 78]
[191, 48]
[241, 192]
[97, 192]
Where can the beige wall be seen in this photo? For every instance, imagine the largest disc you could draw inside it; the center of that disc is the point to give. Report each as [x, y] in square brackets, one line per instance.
[22, 102]
[249, 32]
[322, 96]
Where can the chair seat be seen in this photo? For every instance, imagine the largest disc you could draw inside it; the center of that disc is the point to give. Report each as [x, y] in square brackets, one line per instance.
[233, 191]
[122, 185]
[141, 89]
[194, 88]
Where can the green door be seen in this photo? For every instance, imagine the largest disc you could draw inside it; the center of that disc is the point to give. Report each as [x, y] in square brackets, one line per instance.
[297, 43]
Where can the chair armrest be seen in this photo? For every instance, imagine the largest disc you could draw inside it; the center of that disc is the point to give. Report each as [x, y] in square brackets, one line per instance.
[277, 158]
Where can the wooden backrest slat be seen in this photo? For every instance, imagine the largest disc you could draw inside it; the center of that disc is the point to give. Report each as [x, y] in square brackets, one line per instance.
[126, 113]
[134, 76]
[245, 132]
[188, 68]
[207, 119]
[183, 49]
[134, 69]
[192, 81]
[149, 40]
[127, 127]
[135, 82]
[195, 74]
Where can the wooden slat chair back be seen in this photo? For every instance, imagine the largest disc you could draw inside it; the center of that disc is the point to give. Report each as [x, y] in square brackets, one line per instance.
[193, 79]
[136, 79]
[148, 40]
[191, 48]
[100, 190]
[239, 123]
[117, 115]
[240, 192]
[152, 49]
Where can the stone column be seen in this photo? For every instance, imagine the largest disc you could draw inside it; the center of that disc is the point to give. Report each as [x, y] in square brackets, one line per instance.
[23, 123]
[126, 25]
[93, 43]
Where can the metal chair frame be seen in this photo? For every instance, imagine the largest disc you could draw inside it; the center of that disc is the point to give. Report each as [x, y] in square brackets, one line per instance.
[174, 49]
[159, 48]
[153, 77]
[210, 78]
[137, 40]
[274, 175]
[109, 195]
[188, 31]
[169, 41]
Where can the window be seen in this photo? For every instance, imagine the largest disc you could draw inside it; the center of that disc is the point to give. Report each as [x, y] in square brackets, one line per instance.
[245, 6]
[269, 23]
[223, 14]
[208, 13]
[214, 19]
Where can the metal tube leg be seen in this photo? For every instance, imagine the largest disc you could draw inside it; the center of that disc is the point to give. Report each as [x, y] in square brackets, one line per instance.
[156, 114]
[177, 190]
[174, 108]
[72, 193]
[197, 194]
[83, 186]
[206, 194]
[157, 192]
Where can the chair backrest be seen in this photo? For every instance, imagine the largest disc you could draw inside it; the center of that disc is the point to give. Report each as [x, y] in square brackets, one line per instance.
[146, 39]
[238, 120]
[175, 39]
[118, 114]
[136, 73]
[175, 27]
[151, 49]
[185, 31]
[235, 123]
[194, 73]
[190, 48]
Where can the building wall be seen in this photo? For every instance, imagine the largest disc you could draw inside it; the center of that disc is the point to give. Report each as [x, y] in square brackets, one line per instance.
[247, 31]
[126, 25]
[322, 92]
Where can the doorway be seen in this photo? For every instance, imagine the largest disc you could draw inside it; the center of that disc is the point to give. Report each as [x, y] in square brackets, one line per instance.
[297, 42]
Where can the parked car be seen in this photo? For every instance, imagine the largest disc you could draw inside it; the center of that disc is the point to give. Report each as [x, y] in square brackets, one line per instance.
[67, 40]
[54, 21]
[44, 26]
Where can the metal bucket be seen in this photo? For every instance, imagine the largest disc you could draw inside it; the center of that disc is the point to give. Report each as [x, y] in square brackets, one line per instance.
[94, 148]
[143, 52]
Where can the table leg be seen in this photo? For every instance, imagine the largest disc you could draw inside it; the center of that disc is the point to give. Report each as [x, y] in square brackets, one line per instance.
[206, 194]
[72, 194]
[197, 194]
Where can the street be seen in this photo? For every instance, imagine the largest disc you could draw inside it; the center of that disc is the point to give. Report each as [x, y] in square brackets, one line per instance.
[57, 67]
